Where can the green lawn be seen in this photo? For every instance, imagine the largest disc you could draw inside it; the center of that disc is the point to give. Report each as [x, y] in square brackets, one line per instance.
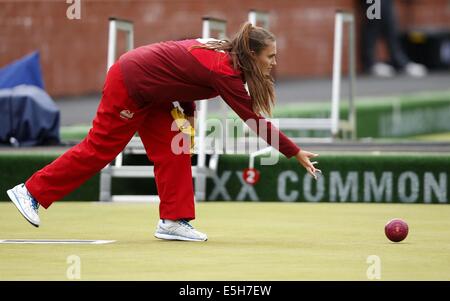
[442, 137]
[247, 241]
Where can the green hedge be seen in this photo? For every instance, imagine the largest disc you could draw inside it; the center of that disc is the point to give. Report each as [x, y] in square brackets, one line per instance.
[17, 168]
[415, 178]
[384, 117]
[399, 116]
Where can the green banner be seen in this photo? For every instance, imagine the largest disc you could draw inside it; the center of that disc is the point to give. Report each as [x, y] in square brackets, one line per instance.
[419, 178]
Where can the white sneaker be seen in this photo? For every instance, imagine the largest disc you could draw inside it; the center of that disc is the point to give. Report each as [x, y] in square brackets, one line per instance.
[416, 70]
[26, 204]
[178, 230]
[382, 70]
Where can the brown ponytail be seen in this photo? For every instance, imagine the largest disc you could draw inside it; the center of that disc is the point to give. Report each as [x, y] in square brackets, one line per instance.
[247, 42]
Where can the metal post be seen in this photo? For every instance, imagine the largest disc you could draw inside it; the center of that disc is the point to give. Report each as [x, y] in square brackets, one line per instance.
[112, 41]
[209, 25]
[350, 126]
[105, 185]
[114, 26]
[352, 77]
[259, 18]
[336, 85]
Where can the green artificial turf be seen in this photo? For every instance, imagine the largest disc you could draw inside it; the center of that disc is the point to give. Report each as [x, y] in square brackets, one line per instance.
[247, 241]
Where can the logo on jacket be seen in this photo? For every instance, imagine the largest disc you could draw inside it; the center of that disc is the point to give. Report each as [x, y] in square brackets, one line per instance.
[126, 114]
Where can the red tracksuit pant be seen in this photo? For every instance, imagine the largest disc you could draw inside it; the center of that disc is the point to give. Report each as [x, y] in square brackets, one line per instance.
[110, 133]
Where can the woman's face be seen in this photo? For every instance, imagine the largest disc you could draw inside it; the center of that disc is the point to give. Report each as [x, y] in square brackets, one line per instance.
[266, 57]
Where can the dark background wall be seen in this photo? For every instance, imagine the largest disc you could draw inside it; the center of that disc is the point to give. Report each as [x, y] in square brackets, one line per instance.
[73, 52]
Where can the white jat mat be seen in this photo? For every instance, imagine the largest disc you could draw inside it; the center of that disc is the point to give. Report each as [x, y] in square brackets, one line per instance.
[55, 241]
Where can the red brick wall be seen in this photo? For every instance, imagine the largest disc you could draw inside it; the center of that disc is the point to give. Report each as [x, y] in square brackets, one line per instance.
[73, 52]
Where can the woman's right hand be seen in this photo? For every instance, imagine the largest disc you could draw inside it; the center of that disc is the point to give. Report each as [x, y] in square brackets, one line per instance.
[303, 157]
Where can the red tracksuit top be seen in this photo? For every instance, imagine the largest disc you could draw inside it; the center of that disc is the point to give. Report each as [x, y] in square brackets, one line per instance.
[172, 71]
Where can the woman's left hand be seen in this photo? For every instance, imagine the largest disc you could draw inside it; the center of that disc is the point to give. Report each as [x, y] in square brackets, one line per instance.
[303, 157]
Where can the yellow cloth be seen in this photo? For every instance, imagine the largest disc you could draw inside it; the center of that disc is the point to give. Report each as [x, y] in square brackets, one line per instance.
[183, 125]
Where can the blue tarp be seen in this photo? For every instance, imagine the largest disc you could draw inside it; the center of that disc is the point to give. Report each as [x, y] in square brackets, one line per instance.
[25, 71]
[29, 117]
